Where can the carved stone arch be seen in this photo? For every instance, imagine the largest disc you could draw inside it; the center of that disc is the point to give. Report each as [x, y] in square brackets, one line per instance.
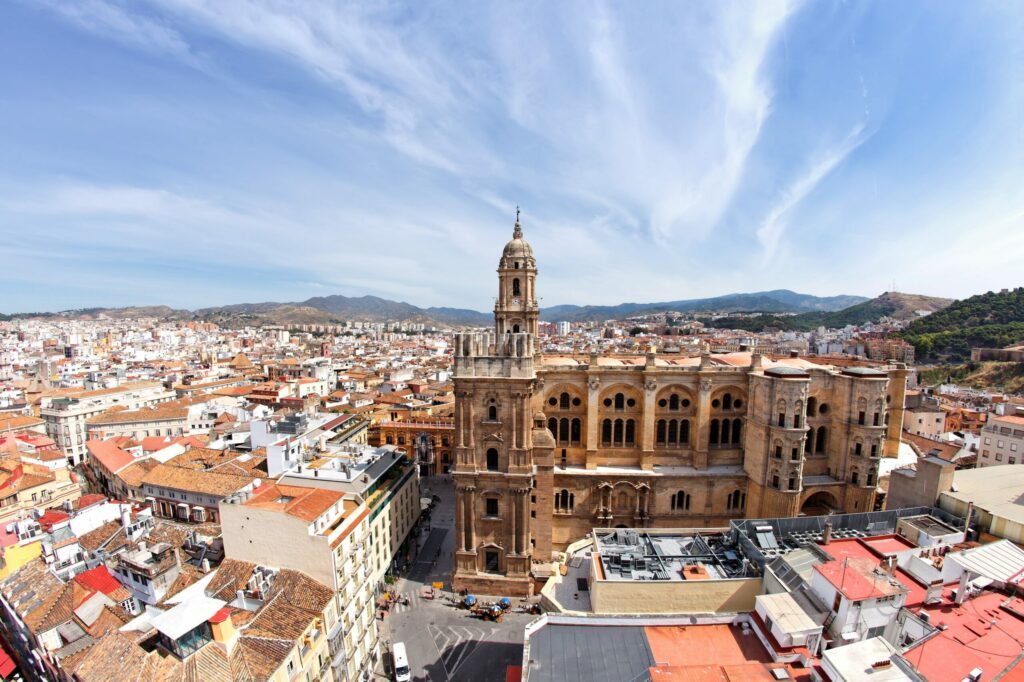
[556, 389]
[684, 392]
[494, 492]
[628, 390]
[735, 391]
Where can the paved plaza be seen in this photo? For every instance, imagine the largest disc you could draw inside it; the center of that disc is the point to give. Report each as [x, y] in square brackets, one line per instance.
[444, 642]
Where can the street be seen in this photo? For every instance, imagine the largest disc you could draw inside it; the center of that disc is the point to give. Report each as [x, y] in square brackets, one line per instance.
[444, 642]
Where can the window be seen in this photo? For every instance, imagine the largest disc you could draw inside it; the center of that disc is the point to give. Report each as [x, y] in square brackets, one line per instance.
[563, 401]
[492, 413]
[778, 451]
[855, 477]
[630, 432]
[680, 501]
[860, 418]
[782, 419]
[727, 401]
[515, 287]
[877, 419]
[796, 421]
[714, 432]
[565, 501]
[491, 561]
[775, 481]
[606, 432]
[857, 448]
[874, 450]
[492, 460]
[736, 500]
[491, 506]
[795, 454]
[792, 482]
[737, 429]
[999, 457]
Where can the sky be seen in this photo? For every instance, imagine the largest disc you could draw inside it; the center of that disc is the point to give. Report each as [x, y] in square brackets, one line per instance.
[205, 152]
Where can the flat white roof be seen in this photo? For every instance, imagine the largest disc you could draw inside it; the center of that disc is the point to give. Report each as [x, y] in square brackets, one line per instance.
[787, 613]
[190, 613]
[995, 489]
[853, 662]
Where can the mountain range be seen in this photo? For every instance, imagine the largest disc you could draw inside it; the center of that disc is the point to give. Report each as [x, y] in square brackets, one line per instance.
[336, 308]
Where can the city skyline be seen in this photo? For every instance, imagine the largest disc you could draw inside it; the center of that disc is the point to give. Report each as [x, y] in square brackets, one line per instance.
[199, 154]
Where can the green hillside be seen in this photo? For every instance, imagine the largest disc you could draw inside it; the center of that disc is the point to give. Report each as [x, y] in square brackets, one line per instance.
[890, 304]
[990, 320]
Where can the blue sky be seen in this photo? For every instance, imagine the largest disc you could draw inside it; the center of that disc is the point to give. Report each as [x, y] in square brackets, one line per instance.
[204, 152]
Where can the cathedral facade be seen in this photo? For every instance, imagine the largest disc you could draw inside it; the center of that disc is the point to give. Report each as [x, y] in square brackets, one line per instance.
[547, 447]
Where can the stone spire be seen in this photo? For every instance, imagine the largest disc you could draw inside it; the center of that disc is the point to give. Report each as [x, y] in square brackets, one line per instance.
[517, 231]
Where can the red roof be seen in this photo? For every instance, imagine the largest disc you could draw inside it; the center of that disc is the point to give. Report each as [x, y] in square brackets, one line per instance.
[221, 615]
[89, 500]
[984, 632]
[98, 579]
[859, 578]
[51, 518]
[109, 455]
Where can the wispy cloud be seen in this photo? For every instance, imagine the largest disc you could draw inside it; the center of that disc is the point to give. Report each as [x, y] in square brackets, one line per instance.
[775, 222]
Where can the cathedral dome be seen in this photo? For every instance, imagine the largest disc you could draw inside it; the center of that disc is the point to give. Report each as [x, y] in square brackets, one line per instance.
[517, 250]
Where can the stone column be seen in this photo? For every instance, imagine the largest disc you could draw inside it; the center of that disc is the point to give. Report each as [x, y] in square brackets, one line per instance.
[524, 525]
[647, 425]
[471, 519]
[460, 516]
[593, 428]
[513, 514]
[700, 455]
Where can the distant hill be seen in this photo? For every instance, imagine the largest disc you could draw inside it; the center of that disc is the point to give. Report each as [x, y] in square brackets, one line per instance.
[338, 308]
[896, 305]
[990, 320]
[777, 301]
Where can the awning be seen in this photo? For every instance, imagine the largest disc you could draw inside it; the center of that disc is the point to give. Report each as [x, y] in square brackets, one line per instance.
[7, 665]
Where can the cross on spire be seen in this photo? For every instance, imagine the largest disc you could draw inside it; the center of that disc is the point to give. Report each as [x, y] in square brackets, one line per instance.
[517, 232]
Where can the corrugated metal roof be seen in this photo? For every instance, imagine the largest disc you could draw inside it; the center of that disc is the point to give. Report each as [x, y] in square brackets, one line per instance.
[1002, 561]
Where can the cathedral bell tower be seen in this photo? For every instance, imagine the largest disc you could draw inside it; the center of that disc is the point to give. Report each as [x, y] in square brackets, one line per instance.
[516, 310]
[495, 427]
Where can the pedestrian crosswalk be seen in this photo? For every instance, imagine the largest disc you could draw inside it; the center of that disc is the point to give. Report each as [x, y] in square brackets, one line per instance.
[456, 643]
[415, 601]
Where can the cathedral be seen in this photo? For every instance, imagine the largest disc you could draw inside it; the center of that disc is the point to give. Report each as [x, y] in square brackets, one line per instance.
[548, 447]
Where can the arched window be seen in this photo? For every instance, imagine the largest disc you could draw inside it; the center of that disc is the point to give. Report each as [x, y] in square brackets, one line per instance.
[736, 500]
[819, 445]
[714, 432]
[680, 501]
[617, 436]
[673, 402]
[515, 286]
[563, 430]
[553, 427]
[684, 432]
[563, 401]
[492, 413]
[780, 407]
[606, 432]
[724, 438]
[871, 477]
[660, 432]
[727, 401]
[574, 435]
[858, 448]
[515, 329]
[630, 432]
[737, 429]
[565, 501]
[855, 477]
[673, 431]
[620, 401]
[492, 460]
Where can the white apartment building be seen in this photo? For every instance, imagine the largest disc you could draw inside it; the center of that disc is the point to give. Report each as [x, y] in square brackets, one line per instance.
[1002, 441]
[66, 416]
[322, 533]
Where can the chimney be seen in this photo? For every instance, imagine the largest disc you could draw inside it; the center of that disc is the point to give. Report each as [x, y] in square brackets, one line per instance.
[826, 536]
[223, 630]
[961, 589]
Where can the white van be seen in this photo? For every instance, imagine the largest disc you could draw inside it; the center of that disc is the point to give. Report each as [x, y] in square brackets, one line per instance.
[402, 672]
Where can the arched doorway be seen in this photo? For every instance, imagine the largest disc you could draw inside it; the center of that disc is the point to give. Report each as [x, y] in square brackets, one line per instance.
[819, 504]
